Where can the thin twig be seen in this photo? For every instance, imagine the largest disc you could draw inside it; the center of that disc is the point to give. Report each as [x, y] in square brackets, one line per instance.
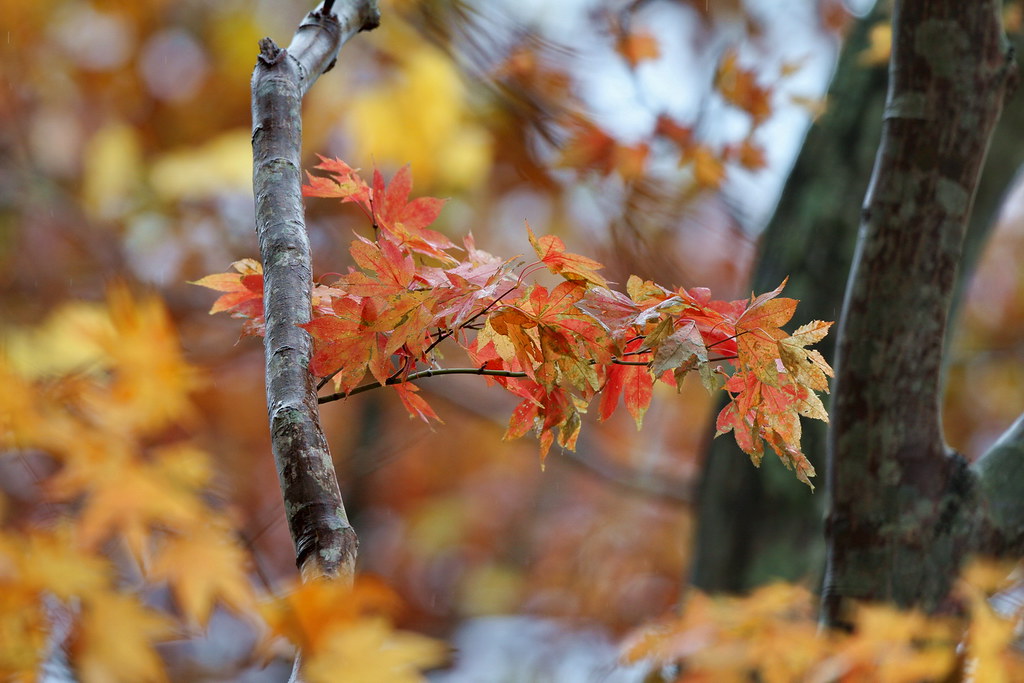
[422, 374]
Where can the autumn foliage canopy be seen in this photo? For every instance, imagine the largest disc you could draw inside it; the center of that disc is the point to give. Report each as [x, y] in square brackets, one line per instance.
[557, 347]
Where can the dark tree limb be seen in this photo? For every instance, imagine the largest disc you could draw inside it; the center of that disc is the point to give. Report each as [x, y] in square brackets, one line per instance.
[754, 525]
[325, 543]
[903, 506]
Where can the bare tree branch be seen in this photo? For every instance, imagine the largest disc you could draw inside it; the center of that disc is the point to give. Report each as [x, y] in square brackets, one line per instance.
[325, 543]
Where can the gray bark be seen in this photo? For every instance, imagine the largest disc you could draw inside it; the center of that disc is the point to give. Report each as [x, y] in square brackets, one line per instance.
[325, 543]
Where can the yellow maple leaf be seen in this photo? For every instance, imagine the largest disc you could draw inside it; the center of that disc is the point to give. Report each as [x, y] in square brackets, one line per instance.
[372, 651]
[202, 567]
[307, 614]
[806, 366]
[128, 499]
[338, 628]
[52, 562]
[113, 641]
[151, 380]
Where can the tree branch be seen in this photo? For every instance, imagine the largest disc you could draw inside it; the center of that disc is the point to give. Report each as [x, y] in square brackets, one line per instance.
[1000, 473]
[325, 543]
[422, 374]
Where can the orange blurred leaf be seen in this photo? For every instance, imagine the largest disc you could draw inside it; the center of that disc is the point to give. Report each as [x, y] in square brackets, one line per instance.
[638, 46]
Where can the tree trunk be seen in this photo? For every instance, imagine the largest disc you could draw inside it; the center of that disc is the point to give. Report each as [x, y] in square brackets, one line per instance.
[905, 510]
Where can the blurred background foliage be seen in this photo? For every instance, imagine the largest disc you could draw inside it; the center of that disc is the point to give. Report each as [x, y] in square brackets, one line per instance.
[651, 135]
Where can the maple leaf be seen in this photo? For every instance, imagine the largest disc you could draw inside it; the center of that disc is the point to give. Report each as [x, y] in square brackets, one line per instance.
[25, 625]
[152, 381]
[761, 412]
[758, 331]
[344, 340]
[613, 310]
[548, 332]
[544, 412]
[126, 497]
[202, 567]
[739, 87]
[401, 221]
[806, 366]
[373, 650]
[243, 291]
[342, 628]
[345, 183]
[54, 562]
[113, 641]
[633, 382]
[573, 267]
[393, 269]
[638, 46]
[414, 403]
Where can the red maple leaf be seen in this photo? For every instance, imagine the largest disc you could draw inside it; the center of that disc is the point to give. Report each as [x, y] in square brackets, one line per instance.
[634, 383]
[243, 293]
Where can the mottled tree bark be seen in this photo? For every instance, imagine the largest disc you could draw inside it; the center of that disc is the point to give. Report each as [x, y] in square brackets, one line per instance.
[325, 543]
[905, 510]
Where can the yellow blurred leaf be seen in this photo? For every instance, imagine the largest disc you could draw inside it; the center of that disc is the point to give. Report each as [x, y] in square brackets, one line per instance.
[372, 651]
[64, 342]
[152, 381]
[879, 45]
[221, 165]
[112, 170]
[114, 641]
[309, 614]
[53, 562]
[128, 499]
[202, 567]
[23, 627]
[421, 116]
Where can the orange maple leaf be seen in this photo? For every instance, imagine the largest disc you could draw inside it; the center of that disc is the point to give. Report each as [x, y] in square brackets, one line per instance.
[739, 87]
[243, 292]
[638, 46]
[573, 267]
[202, 567]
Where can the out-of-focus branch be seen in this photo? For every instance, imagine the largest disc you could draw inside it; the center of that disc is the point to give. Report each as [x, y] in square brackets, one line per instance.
[325, 543]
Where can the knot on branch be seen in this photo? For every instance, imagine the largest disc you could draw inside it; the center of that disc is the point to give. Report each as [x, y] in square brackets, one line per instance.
[270, 53]
[372, 20]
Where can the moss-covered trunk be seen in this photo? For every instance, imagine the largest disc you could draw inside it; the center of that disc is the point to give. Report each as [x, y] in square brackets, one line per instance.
[902, 504]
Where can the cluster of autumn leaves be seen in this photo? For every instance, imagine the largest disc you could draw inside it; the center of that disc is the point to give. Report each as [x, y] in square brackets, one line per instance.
[119, 542]
[556, 348]
[120, 513]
